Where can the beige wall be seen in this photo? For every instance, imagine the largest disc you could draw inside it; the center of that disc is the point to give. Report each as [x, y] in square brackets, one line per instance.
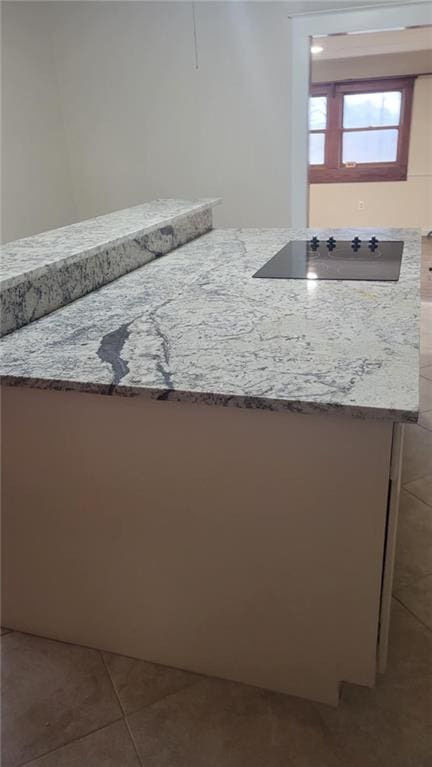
[104, 104]
[36, 182]
[394, 203]
[103, 107]
[143, 121]
[386, 65]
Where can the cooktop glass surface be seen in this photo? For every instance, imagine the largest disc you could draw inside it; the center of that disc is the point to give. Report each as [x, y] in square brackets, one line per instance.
[336, 260]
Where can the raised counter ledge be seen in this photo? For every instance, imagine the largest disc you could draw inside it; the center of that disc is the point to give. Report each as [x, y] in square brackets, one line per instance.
[42, 273]
[196, 326]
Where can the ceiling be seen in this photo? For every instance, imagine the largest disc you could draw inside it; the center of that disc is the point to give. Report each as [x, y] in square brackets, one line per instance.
[315, 6]
[374, 43]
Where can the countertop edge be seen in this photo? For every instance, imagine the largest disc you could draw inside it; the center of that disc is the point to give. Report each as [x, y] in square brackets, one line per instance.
[244, 402]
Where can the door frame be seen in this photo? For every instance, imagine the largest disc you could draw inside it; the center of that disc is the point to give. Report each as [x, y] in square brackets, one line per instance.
[305, 26]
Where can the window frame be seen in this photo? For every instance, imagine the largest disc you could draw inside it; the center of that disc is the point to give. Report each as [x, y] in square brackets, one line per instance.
[333, 170]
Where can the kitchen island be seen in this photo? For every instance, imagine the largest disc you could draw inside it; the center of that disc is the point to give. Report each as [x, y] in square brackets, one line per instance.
[231, 508]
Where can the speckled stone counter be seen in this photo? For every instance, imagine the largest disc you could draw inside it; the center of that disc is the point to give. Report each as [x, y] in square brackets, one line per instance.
[196, 326]
[42, 273]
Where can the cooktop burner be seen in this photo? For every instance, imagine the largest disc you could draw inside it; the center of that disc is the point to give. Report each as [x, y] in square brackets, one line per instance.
[336, 260]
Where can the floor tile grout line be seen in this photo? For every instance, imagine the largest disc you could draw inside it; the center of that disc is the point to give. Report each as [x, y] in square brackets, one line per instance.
[113, 687]
[146, 705]
[74, 740]
[135, 747]
[413, 614]
[421, 476]
[124, 715]
[404, 487]
[122, 709]
[199, 678]
[420, 413]
[203, 678]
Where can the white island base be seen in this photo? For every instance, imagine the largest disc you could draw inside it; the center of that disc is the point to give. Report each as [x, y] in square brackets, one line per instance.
[246, 544]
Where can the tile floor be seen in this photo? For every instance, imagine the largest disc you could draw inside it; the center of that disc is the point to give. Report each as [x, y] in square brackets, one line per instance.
[65, 705]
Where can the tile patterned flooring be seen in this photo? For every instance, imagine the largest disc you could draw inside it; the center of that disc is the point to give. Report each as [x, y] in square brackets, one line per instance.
[67, 706]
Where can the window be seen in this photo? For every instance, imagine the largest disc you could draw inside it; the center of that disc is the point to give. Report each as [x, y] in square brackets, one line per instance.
[359, 130]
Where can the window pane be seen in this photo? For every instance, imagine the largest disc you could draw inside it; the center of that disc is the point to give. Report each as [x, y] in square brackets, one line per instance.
[370, 146]
[316, 148]
[317, 112]
[364, 110]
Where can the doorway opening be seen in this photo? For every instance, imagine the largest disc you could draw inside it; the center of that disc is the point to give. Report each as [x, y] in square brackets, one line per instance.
[370, 121]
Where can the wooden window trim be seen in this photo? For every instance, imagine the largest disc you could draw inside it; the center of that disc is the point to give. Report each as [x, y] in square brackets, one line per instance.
[333, 171]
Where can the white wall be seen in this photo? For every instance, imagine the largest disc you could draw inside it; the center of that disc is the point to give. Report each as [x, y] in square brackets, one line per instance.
[142, 121]
[103, 107]
[387, 203]
[36, 183]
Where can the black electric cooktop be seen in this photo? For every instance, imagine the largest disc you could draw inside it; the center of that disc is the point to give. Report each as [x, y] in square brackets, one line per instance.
[336, 260]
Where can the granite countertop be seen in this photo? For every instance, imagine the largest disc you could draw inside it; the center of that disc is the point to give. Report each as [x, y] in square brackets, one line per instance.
[42, 273]
[196, 326]
[30, 254]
